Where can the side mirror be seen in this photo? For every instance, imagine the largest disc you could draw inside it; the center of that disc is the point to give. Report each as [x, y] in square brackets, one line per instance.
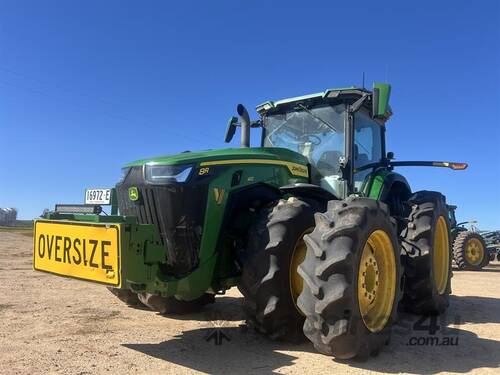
[390, 155]
[231, 129]
[380, 99]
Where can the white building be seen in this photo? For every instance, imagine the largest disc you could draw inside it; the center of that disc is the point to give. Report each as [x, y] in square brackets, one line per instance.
[8, 216]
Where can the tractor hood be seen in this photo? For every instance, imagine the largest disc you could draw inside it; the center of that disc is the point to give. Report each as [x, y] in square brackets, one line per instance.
[233, 154]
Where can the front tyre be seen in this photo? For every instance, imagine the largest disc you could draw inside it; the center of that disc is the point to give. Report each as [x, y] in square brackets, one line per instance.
[126, 296]
[351, 276]
[171, 305]
[270, 283]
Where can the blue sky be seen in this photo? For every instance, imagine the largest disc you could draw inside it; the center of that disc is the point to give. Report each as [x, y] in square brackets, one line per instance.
[86, 86]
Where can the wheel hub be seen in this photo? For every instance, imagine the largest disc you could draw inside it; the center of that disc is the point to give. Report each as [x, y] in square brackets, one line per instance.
[370, 272]
[377, 281]
[474, 251]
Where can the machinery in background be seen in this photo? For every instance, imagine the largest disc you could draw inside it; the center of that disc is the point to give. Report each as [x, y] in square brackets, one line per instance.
[470, 249]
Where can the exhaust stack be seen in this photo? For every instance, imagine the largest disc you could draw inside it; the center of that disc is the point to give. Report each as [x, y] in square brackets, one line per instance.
[245, 125]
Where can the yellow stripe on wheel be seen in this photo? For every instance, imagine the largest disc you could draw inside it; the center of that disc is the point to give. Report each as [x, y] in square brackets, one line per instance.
[441, 255]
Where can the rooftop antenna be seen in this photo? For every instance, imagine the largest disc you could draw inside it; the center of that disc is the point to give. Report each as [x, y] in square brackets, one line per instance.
[363, 83]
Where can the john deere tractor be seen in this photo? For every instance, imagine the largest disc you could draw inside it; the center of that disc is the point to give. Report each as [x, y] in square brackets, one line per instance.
[314, 227]
[470, 251]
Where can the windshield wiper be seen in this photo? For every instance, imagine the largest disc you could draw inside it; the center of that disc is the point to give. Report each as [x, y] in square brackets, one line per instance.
[274, 131]
[317, 117]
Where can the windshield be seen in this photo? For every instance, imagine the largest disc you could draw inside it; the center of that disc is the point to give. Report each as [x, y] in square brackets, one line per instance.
[317, 133]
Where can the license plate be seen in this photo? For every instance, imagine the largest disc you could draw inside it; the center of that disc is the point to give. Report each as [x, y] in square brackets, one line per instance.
[79, 250]
[98, 196]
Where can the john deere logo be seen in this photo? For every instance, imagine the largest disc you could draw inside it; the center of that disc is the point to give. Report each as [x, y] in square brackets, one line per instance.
[133, 193]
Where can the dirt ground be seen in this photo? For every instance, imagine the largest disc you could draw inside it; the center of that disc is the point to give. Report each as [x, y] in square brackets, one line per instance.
[50, 324]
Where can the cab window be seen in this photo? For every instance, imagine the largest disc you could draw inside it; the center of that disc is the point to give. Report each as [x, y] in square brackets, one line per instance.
[367, 145]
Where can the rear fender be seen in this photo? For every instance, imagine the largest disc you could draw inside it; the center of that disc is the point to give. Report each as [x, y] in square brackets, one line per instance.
[394, 183]
[388, 187]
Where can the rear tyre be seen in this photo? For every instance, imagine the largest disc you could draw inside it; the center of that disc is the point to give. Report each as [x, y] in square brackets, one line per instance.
[270, 283]
[470, 252]
[171, 305]
[126, 296]
[426, 256]
[352, 279]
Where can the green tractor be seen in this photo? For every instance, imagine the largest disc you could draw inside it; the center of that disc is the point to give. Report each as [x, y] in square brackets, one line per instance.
[492, 240]
[470, 251]
[314, 227]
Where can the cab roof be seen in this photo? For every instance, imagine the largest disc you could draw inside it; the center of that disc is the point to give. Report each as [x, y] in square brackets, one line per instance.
[271, 106]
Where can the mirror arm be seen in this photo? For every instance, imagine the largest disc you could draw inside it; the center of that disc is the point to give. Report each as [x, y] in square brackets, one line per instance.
[256, 124]
[358, 103]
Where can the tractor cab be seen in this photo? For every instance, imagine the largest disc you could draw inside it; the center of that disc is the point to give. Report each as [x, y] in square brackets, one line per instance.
[338, 131]
[335, 137]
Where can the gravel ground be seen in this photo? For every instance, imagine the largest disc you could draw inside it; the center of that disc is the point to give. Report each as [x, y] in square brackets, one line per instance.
[50, 324]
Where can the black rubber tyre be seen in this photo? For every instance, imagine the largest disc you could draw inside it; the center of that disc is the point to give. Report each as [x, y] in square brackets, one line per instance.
[265, 283]
[421, 294]
[330, 298]
[171, 305]
[460, 251]
[126, 296]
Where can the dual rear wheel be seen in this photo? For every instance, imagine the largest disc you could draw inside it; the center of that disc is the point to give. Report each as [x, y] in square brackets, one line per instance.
[426, 255]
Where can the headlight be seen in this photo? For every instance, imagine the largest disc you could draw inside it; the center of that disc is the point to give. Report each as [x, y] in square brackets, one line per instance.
[161, 174]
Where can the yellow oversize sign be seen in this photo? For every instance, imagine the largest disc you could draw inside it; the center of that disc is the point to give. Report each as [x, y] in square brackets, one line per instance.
[80, 250]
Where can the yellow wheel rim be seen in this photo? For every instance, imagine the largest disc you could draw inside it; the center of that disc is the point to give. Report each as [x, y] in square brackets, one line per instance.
[377, 281]
[441, 255]
[298, 256]
[474, 251]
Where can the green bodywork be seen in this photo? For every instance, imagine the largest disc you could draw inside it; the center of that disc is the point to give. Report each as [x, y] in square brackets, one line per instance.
[224, 154]
[141, 248]
[374, 183]
[142, 251]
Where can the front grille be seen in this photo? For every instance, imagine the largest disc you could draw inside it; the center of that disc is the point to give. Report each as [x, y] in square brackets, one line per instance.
[176, 210]
[148, 213]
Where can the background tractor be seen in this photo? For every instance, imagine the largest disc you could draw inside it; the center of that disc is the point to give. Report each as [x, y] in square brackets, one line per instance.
[315, 228]
[470, 249]
[492, 240]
